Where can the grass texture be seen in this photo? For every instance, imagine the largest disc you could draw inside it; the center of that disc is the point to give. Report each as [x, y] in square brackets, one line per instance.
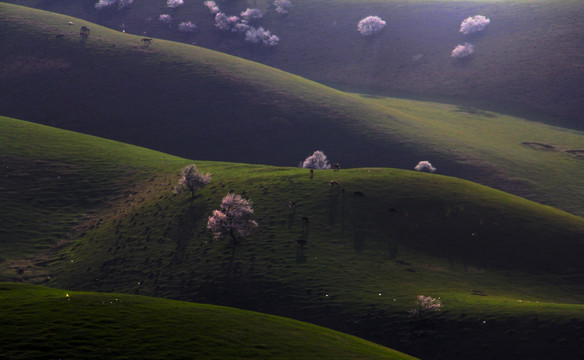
[492, 258]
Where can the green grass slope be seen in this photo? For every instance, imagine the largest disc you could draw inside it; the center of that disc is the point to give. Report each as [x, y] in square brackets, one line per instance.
[525, 62]
[508, 271]
[44, 323]
[196, 103]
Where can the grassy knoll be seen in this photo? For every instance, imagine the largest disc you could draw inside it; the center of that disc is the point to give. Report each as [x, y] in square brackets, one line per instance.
[525, 62]
[200, 104]
[508, 271]
[44, 323]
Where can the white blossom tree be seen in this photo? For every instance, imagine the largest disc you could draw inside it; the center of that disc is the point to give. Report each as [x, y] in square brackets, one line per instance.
[212, 6]
[426, 305]
[474, 24]
[425, 166]
[261, 36]
[186, 27]
[251, 14]
[233, 218]
[317, 161]
[165, 18]
[192, 180]
[174, 3]
[461, 51]
[101, 4]
[370, 25]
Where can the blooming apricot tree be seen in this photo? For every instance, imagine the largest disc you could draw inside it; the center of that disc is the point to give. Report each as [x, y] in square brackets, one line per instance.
[426, 306]
[425, 166]
[370, 25]
[233, 218]
[192, 180]
[316, 161]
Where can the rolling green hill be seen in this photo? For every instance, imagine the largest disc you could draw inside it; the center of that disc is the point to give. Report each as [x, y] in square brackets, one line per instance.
[82, 325]
[196, 103]
[525, 61]
[507, 270]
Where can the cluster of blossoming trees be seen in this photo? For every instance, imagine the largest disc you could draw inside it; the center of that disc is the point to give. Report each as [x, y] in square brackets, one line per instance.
[368, 26]
[469, 26]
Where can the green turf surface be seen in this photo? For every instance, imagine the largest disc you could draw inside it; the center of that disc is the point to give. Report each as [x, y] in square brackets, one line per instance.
[488, 255]
[241, 111]
[44, 323]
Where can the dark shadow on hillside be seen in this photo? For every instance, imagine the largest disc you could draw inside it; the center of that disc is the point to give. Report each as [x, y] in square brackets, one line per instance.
[358, 221]
[334, 194]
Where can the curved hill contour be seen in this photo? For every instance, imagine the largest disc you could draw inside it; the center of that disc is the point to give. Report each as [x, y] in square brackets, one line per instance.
[86, 325]
[193, 102]
[85, 213]
[526, 61]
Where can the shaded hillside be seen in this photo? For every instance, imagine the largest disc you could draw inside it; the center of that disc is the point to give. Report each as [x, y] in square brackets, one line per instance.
[373, 244]
[525, 62]
[196, 103]
[115, 326]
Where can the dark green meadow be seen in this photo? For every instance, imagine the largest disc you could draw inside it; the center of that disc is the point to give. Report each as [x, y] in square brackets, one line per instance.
[526, 62]
[87, 202]
[45, 323]
[507, 270]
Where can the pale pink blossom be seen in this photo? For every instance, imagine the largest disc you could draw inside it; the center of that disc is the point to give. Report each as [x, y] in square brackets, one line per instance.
[232, 218]
[316, 161]
[425, 166]
[474, 24]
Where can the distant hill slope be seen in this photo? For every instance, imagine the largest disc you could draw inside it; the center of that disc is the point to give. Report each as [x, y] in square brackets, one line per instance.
[200, 104]
[526, 61]
[83, 325]
[373, 244]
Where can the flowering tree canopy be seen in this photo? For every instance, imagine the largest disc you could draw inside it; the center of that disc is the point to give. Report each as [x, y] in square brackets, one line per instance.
[261, 36]
[233, 217]
[426, 306]
[474, 24]
[224, 22]
[370, 25]
[165, 18]
[316, 161]
[101, 4]
[251, 14]
[212, 6]
[186, 26]
[461, 51]
[174, 3]
[192, 180]
[425, 166]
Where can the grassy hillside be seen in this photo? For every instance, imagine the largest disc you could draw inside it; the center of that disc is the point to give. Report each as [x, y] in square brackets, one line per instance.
[507, 270]
[525, 62]
[83, 325]
[196, 103]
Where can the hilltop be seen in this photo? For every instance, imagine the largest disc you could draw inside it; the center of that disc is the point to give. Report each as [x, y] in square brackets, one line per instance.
[373, 244]
[520, 65]
[196, 103]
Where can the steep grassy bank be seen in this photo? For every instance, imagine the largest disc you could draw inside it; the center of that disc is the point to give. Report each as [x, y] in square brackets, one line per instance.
[492, 258]
[525, 62]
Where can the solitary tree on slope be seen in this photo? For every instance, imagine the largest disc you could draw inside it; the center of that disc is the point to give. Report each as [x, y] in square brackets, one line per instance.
[233, 218]
[192, 180]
